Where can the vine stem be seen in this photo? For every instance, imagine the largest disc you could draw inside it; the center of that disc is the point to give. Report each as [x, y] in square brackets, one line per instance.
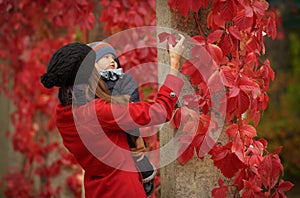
[198, 24]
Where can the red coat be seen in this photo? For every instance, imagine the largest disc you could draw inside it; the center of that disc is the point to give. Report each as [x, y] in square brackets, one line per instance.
[94, 134]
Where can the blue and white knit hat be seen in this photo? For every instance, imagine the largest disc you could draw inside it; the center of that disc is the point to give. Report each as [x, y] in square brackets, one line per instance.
[102, 48]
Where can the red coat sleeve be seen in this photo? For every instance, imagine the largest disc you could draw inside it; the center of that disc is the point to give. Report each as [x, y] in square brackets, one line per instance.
[140, 114]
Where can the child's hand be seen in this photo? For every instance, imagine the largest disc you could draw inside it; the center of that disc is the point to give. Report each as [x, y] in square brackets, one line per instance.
[140, 149]
[140, 143]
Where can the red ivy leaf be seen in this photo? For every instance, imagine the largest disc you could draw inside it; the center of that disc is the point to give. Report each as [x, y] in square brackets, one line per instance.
[282, 188]
[189, 68]
[242, 22]
[227, 9]
[267, 73]
[215, 84]
[184, 6]
[239, 104]
[169, 37]
[238, 148]
[228, 76]
[185, 153]
[239, 179]
[251, 190]
[269, 170]
[226, 44]
[232, 130]
[259, 7]
[214, 36]
[198, 40]
[278, 150]
[251, 58]
[215, 52]
[248, 131]
[163, 36]
[203, 144]
[175, 121]
[196, 5]
[221, 191]
[226, 161]
[271, 25]
[243, 102]
[219, 20]
[234, 32]
[186, 119]
[252, 45]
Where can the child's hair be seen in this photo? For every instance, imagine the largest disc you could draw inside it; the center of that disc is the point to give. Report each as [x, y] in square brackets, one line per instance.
[101, 91]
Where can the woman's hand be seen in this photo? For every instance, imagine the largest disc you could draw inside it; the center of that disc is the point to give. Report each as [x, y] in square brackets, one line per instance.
[175, 54]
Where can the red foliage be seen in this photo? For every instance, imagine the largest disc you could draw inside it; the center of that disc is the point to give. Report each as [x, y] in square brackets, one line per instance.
[170, 38]
[75, 183]
[18, 186]
[30, 32]
[229, 158]
[221, 191]
[235, 42]
[184, 7]
[134, 47]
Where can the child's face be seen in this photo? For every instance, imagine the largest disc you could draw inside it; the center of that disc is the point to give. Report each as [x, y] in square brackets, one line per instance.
[106, 62]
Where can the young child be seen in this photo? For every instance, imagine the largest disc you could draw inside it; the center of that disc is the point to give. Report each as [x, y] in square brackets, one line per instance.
[119, 83]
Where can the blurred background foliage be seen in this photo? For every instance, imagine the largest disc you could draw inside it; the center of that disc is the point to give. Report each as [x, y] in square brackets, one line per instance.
[280, 124]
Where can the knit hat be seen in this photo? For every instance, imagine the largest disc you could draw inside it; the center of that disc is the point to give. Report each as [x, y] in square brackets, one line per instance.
[102, 48]
[70, 62]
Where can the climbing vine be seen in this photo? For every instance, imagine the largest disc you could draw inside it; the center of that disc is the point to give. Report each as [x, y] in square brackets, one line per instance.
[235, 41]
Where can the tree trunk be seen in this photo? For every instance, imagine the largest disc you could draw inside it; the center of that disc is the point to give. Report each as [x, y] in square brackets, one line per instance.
[8, 157]
[197, 177]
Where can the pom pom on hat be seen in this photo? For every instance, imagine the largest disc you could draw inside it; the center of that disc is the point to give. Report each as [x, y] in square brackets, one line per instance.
[49, 80]
[102, 48]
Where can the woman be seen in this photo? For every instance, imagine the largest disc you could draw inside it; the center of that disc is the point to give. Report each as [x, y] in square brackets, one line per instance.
[94, 132]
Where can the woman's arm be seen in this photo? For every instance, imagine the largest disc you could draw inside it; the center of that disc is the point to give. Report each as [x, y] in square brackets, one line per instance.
[142, 114]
